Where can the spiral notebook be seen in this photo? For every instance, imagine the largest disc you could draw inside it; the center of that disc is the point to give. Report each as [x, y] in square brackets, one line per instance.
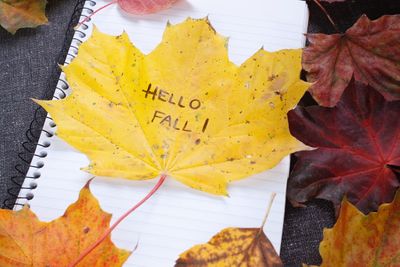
[176, 217]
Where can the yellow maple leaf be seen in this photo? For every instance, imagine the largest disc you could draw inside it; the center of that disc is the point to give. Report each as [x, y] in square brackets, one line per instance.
[184, 110]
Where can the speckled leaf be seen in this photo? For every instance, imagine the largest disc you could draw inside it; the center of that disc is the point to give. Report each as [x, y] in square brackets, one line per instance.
[16, 14]
[233, 247]
[358, 151]
[145, 6]
[26, 241]
[367, 241]
[369, 51]
[184, 110]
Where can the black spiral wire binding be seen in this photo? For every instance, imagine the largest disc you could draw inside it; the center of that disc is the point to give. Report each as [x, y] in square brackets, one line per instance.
[72, 39]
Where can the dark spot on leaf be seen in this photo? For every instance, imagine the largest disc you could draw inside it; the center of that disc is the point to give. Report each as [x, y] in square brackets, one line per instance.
[272, 77]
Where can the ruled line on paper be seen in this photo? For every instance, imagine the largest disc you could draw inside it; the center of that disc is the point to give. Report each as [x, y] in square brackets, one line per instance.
[165, 196]
[232, 26]
[176, 215]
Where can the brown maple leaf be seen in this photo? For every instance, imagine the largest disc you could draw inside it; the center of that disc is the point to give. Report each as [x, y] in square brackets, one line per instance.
[26, 241]
[369, 51]
[17, 14]
[234, 247]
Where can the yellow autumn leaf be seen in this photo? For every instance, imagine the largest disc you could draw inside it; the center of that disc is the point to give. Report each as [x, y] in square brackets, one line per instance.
[363, 240]
[184, 110]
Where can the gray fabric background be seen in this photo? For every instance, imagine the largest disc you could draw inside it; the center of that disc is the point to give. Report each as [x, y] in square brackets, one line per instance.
[28, 70]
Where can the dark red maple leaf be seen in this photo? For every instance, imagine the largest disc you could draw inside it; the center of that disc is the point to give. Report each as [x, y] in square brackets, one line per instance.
[369, 51]
[331, 1]
[357, 150]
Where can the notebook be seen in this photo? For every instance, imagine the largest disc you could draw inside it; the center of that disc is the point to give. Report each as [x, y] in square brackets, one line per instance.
[176, 217]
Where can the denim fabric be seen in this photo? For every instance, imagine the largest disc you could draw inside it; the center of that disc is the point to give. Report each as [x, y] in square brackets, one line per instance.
[28, 69]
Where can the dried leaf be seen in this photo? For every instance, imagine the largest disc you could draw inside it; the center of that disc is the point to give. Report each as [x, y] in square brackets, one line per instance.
[244, 247]
[358, 151]
[26, 241]
[359, 240]
[144, 6]
[369, 51]
[234, 247]
[17, 14]
[138, 116]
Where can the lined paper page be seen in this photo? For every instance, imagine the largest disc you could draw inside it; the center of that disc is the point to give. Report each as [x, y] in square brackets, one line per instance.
[176, 217]
[249, 24]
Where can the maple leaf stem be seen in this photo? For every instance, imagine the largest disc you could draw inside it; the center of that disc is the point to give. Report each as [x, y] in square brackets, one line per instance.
[271, 200]
[95, 12]
[327, 15]
[120, 219]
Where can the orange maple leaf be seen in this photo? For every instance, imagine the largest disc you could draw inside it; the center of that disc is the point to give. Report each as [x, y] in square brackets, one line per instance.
[363, 240]
[17, 14]
[27, 241]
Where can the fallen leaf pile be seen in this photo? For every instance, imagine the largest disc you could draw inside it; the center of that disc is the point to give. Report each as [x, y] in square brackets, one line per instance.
[356, 160]
[26, 241]
[139, 116]
[167, 113]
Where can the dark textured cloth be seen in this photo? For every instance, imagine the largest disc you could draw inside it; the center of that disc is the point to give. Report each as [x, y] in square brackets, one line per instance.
[28, 70]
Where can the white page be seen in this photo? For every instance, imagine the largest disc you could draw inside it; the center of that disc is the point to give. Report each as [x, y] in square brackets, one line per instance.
[176, 217]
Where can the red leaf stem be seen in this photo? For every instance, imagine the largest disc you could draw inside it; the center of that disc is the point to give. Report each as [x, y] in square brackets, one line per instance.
[95, 12]
[105, 234]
